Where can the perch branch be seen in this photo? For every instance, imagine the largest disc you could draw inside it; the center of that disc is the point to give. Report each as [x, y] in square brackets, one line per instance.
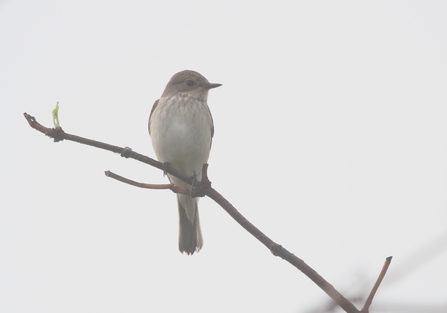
[205, 189]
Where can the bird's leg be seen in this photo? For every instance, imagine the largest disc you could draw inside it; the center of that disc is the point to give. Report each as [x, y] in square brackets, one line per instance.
[205, 182]
[199, 187]
[165, 168]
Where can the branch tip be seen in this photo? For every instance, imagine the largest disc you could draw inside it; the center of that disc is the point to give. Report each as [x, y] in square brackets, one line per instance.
[376, 286]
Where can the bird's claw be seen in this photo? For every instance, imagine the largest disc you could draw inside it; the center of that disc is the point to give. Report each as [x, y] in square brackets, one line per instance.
[199, 188]
[165, 168]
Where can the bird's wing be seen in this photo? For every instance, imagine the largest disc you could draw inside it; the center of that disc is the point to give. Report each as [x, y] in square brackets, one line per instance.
[152, 111]
[212, 128]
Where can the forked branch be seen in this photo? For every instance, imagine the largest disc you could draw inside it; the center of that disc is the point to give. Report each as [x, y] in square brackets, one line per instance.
[205, 189]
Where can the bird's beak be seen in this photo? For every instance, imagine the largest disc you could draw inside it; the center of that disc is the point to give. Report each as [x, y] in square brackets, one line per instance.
[211, 85]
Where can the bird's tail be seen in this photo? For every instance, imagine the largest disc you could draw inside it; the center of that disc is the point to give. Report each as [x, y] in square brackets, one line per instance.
[190, 235]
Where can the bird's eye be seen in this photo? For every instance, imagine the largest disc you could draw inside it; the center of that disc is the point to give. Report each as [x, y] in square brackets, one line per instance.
[190, 83]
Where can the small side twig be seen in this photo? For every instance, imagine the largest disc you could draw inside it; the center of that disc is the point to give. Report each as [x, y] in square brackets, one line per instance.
[137, 184]
[171, 187]
[382, 274]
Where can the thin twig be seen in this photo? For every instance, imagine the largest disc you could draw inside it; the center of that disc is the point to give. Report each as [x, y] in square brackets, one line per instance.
[370, 298]
[171, 187]
[137, 184]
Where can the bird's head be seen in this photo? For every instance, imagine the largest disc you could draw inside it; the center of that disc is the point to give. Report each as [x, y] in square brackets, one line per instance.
[189, 83]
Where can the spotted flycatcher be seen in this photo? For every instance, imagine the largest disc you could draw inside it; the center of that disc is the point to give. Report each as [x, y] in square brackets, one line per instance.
[181, 128]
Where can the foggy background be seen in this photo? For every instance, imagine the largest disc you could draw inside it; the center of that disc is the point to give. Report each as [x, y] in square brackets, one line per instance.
[330, 136]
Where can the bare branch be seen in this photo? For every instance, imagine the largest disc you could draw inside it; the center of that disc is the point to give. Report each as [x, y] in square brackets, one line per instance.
[205, 189]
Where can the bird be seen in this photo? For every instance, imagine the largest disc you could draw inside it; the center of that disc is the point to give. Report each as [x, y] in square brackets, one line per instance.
[181, 129]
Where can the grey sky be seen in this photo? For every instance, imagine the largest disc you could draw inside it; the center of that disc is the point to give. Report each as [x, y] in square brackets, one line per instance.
[330, 136]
